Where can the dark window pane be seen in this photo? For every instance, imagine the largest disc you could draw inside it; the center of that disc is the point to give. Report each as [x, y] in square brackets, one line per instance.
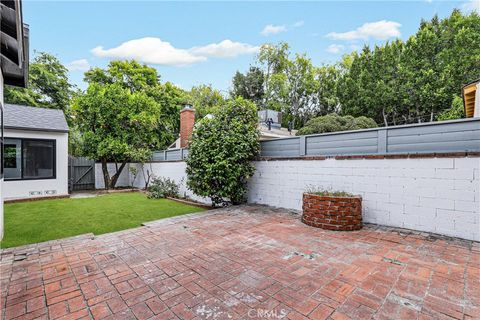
[12, 158]
[38, 159]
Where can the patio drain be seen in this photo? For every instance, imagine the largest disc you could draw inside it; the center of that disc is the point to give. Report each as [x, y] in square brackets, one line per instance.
[310, 256]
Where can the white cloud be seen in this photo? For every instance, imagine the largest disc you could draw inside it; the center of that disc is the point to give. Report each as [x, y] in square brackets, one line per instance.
[335, 48]
[472, 5]
[298, 24]
[150, 50]
[78, 65]
[271, 29]
[429, 1]
[156, 51]
[224, 49]
[380, 30]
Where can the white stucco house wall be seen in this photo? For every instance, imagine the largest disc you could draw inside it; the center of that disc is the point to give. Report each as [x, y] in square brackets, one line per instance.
[35, 152]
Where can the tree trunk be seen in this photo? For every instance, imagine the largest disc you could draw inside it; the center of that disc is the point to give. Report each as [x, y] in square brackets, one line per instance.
[385, 121]
[106, 176]
[113, 180]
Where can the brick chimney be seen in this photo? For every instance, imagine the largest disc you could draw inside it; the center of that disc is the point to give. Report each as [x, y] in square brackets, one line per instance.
[187, 120]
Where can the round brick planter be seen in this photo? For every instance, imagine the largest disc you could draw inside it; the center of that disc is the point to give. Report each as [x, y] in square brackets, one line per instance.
[332, 213]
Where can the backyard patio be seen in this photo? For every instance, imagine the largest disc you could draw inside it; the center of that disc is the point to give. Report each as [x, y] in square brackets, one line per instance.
[243, 262]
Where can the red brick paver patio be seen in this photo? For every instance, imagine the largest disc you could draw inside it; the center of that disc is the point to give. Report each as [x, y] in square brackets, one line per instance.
[248, 262]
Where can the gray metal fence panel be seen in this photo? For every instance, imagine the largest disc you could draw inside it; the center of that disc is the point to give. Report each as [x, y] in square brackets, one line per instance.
[446, 136]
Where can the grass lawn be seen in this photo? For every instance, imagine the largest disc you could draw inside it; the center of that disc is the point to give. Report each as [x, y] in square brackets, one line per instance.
[37, 221]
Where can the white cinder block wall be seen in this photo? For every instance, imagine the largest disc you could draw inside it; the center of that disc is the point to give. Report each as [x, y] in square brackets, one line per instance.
[440, 195]
[171, 170]
[123, 180]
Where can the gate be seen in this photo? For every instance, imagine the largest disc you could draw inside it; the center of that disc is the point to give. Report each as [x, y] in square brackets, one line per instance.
[81, 174]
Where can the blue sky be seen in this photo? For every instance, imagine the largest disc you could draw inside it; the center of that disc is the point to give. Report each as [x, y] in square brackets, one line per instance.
[193, 43]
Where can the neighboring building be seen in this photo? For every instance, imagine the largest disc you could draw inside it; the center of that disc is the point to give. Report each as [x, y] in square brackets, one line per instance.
[35, 152]
[471, 99]
[269, 126]
[13, 65]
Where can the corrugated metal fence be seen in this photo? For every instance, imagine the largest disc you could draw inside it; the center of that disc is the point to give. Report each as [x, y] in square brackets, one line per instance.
[439, 137]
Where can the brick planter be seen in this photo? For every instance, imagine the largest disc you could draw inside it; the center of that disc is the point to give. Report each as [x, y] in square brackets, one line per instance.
[332, 213]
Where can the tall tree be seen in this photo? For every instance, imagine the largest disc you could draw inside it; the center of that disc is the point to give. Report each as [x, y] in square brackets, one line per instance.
[249, 86]
[205, 99]
[119, 115]
[48, 85]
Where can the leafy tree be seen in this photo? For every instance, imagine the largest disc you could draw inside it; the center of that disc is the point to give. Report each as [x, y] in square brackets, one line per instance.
[204, 99]
[333, 123]
[48, 85]
[119, 115]
[221, 150]
[273, 60]
[171, 100]
[457, 111]
[413, 81]
[327, 79]
[249, 86]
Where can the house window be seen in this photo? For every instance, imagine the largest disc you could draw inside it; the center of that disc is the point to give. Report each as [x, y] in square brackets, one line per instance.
[28, 159]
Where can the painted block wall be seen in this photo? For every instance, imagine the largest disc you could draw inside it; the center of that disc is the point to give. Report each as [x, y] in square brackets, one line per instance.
[22, 188]
[440, 195]
[171, 170]
[123, 180]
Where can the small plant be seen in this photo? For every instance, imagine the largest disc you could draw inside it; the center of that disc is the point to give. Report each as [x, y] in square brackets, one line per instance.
[134, 173]
[162, 188]
[328, 192]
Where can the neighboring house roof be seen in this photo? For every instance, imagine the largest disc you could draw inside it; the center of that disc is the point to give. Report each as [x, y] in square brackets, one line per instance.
[34, 118]
[273, 133]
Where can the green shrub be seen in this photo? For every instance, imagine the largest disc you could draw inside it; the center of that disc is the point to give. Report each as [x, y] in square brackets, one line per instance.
[333, 122]
[220, 153]
[162, 188]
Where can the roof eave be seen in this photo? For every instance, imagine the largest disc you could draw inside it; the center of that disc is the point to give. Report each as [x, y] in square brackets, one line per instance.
[37, 129]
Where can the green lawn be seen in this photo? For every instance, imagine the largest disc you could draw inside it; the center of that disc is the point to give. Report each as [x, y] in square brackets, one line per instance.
[37, 221]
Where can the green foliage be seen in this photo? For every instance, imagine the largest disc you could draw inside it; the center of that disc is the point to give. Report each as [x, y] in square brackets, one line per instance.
[249, 86]
[292, 85]
[205, 100]
[395, 83]
[222, 146]
[162, 188]
[457, 111]
[413, 81]
[48, 85]
[333, 123]
[119, 116]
